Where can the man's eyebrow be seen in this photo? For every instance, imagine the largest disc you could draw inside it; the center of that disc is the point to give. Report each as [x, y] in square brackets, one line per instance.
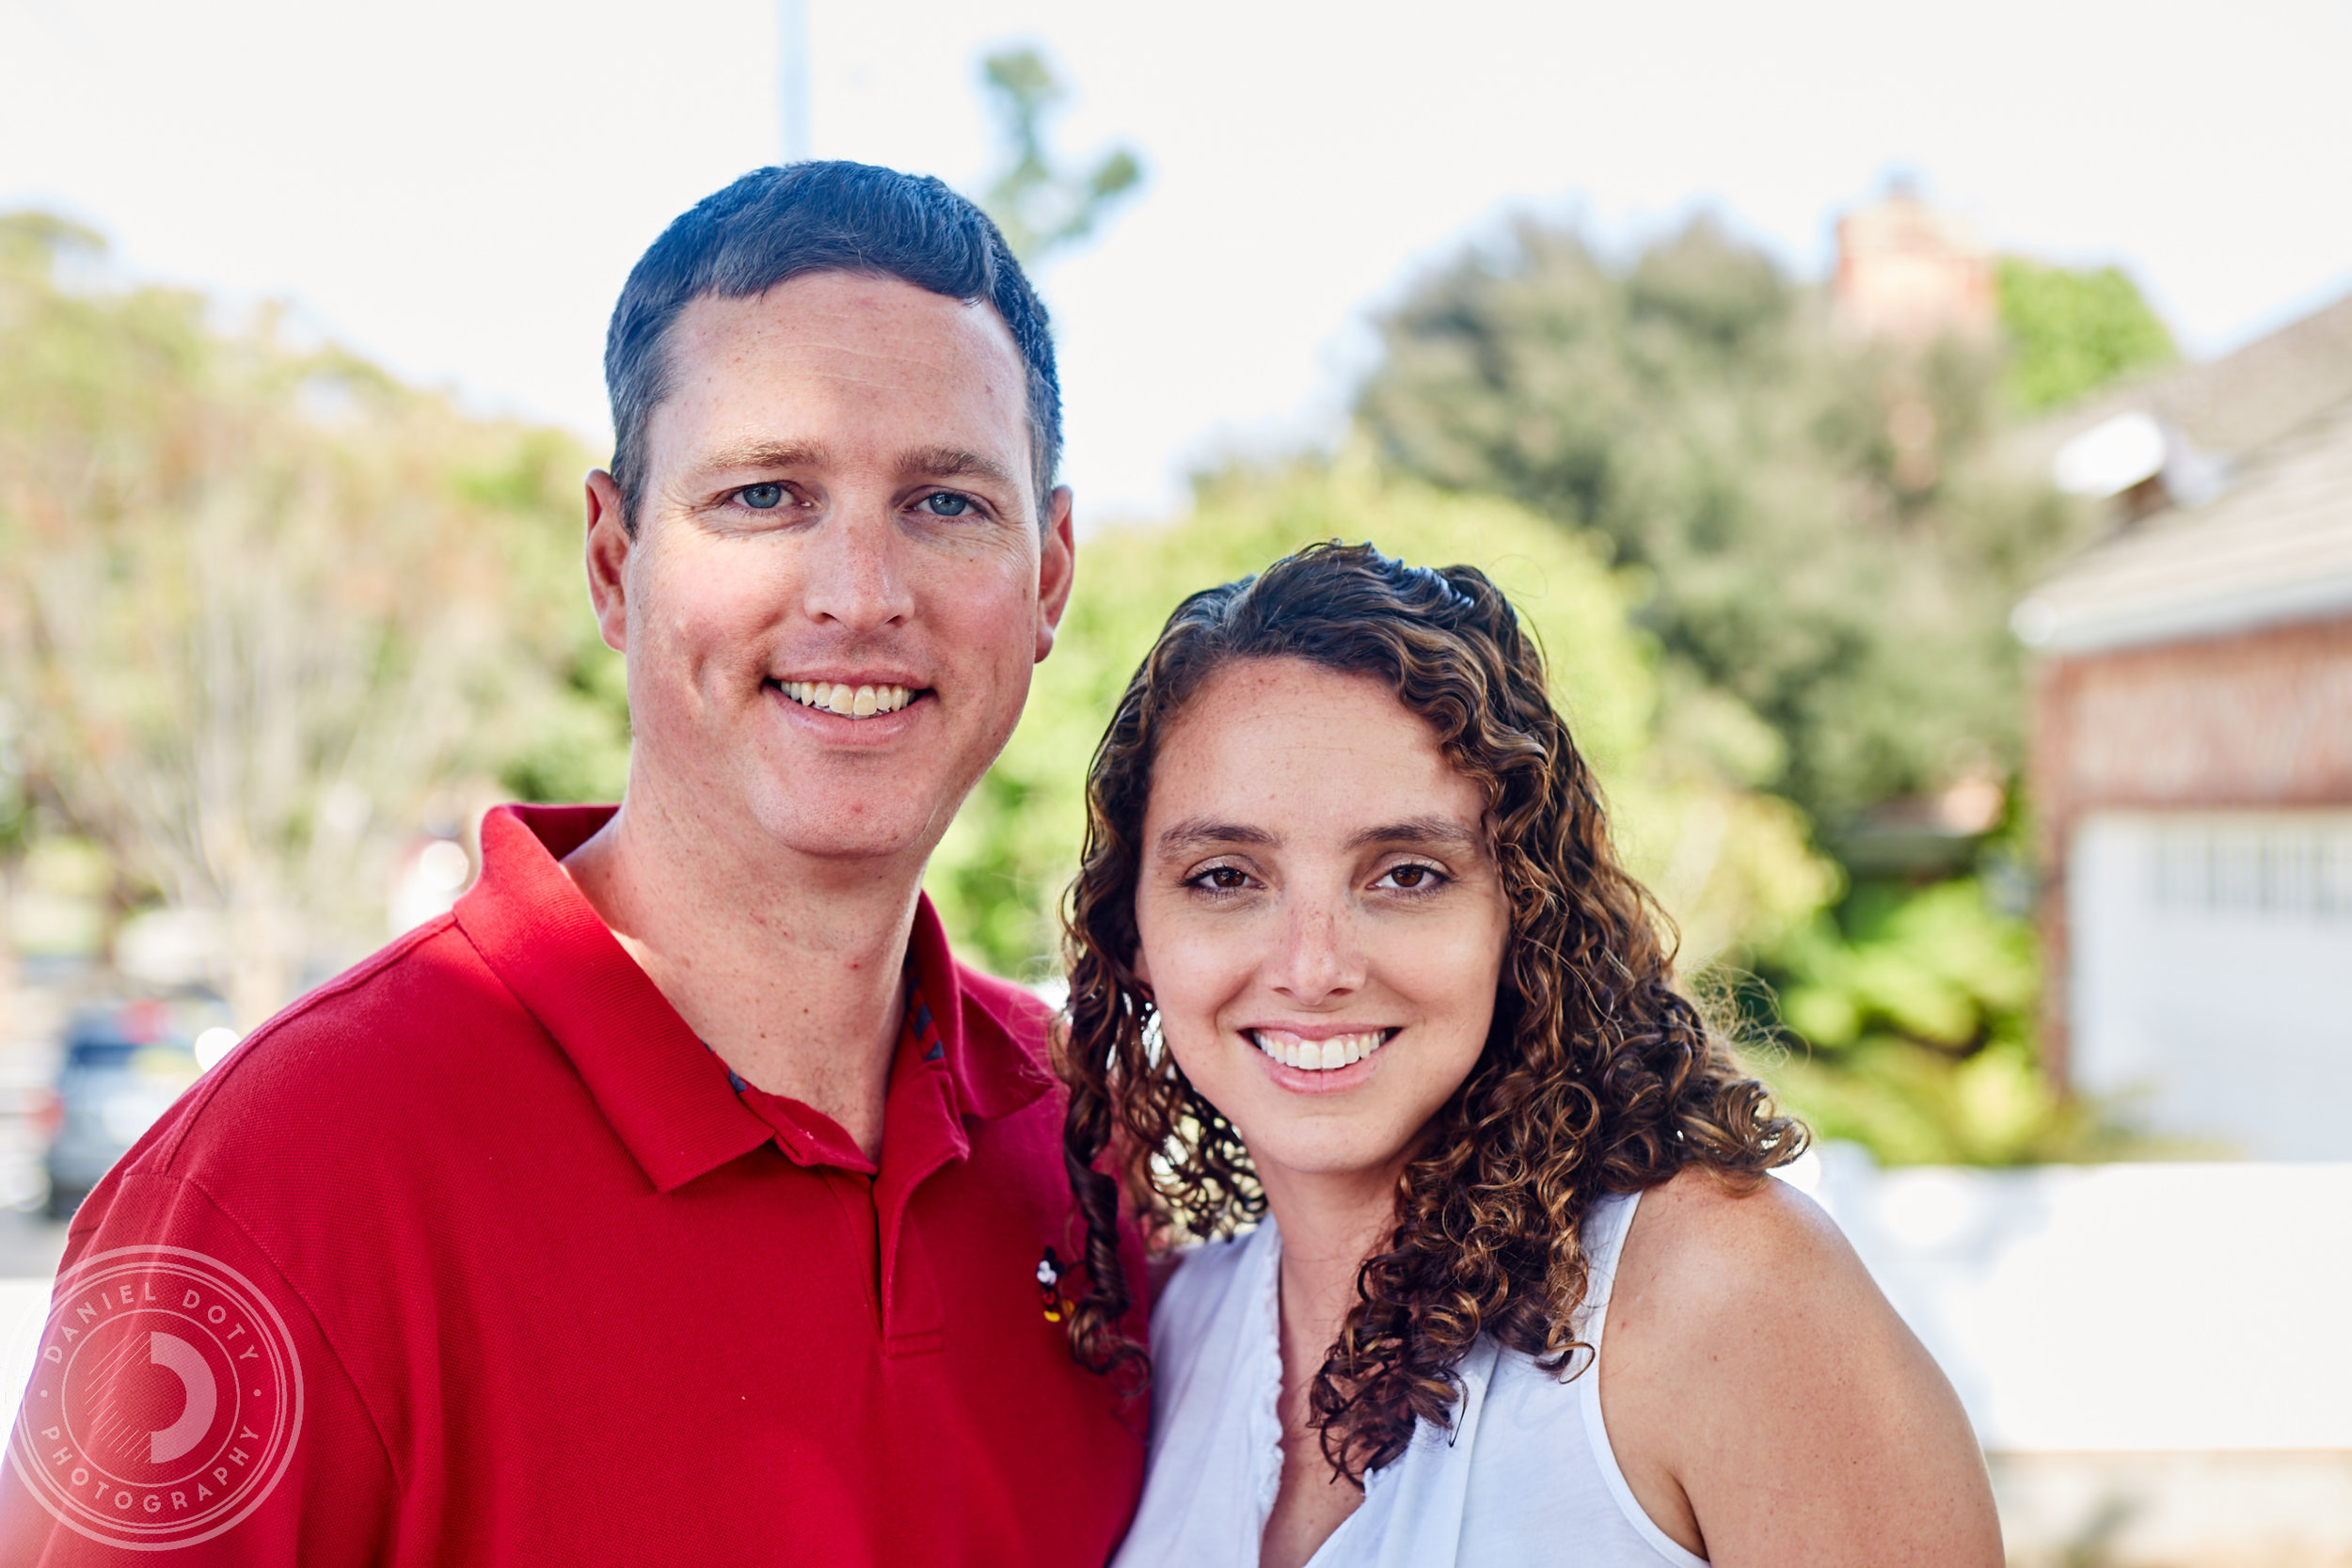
[955, 463]
[930, 461]
[768, 455]
[1202, 833]
[1428, 833]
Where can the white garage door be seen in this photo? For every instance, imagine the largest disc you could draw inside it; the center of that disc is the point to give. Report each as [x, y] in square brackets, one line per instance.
[2210, 982]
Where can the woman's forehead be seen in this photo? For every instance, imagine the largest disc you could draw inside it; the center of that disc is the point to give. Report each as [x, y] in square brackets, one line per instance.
[1293, 750]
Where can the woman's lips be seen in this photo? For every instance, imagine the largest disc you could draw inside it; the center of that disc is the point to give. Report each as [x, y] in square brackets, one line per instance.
[1323, 1053]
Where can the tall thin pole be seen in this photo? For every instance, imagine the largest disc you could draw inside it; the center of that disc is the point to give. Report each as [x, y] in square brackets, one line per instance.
[792, 76]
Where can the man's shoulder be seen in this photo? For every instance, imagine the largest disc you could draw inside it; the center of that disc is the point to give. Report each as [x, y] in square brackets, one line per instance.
[402, 1030]
[420, 996]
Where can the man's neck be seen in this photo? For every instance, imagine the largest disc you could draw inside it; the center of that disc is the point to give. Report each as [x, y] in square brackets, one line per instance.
[791, 969]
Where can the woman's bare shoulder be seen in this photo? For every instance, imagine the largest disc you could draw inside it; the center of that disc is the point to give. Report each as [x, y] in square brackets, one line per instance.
[1762, 1395]
[1728, 1287]
[1726, 1244]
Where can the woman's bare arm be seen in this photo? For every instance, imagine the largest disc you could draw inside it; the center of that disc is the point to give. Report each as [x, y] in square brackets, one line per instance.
[1765, 1402]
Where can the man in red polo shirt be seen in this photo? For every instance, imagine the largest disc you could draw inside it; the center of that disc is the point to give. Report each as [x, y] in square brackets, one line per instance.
[678, 1198]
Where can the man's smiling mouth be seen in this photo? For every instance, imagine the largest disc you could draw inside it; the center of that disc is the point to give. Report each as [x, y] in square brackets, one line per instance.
[850, 702]
[1322, 1055]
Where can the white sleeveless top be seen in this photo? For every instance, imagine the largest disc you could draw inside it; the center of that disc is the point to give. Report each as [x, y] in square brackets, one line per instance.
[1525, 1475]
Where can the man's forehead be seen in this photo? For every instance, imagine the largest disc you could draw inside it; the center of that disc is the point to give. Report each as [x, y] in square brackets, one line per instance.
[757, 369]
[855, 315]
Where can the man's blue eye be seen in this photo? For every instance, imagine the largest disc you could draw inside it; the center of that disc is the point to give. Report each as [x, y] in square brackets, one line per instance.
[946, 504]
[762, 497]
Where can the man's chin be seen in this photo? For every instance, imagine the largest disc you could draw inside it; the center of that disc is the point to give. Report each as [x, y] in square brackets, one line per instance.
[868, 828]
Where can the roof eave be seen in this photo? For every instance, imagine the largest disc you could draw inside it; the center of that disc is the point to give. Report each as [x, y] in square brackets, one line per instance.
[2105, 630]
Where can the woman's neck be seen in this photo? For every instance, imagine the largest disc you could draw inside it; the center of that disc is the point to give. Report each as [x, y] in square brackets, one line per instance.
[1330, 1224]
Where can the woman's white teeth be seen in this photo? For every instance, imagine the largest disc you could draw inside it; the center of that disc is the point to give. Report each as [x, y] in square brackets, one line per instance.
[862, 701]
[1318, 1056]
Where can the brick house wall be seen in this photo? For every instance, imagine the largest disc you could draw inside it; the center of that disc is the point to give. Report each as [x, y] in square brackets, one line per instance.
[2259, 719]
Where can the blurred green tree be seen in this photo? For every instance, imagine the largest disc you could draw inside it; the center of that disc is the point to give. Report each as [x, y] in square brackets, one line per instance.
[1040, 207]
[1911, 1011]
[1729, 862]
[2072, 332]
[1824, 542]
[264, 614]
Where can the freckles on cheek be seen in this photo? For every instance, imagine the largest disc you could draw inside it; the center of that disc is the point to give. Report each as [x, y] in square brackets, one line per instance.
[1191, 980]
[1459, 969]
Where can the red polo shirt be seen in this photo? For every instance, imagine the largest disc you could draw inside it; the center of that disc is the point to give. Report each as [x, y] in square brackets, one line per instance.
[473, 1256]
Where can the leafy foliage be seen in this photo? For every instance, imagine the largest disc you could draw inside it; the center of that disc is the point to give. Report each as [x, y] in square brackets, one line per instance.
[1041, 208]
[264, 614]
[2072, 332]
[1913, 1013]
[1824, 544]
[1730, 862]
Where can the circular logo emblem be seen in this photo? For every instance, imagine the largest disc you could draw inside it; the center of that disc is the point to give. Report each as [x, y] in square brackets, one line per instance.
[165, 1400]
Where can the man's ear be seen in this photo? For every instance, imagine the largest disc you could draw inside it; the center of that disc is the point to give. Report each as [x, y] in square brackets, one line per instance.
[609, 543]
[1056, 568]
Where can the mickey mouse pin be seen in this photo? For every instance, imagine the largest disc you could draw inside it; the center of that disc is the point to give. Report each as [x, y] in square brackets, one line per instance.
[1049, 1272]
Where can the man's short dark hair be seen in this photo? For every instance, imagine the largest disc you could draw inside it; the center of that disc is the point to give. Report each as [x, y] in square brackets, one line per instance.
[775, 224]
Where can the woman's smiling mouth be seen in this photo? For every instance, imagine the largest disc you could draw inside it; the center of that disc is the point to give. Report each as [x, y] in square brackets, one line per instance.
[1319, 1055]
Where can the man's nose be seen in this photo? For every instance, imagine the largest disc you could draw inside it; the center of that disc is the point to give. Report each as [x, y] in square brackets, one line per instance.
[1317, 956]
[855, 575]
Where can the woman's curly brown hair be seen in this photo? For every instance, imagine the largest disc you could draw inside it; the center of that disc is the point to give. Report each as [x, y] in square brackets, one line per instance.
[1597, 1076]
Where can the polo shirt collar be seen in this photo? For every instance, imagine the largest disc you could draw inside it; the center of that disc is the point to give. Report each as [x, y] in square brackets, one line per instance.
[992, 1074]
[665, 1093]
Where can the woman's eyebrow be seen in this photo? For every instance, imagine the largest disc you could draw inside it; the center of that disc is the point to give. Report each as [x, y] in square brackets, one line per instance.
[1202, 833]
[1431, 833]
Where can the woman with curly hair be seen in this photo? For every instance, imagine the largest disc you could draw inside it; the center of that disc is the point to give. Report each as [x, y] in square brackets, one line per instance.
[1351, 957]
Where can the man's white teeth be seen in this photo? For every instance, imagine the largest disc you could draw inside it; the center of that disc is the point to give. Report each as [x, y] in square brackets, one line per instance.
[862, 701]
[1318, 1056]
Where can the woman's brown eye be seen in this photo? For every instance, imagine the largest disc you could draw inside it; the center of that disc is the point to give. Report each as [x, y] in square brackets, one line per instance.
[1226, 879]
[1409, 876]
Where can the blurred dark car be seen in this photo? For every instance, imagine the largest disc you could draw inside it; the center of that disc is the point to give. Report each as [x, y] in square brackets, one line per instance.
[123, 1066]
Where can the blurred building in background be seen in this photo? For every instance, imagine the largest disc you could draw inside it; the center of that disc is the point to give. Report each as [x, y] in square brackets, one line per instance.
[2192, 747]
[1909, 272]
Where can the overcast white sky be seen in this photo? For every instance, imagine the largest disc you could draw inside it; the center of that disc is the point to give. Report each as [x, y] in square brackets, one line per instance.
[457, 187]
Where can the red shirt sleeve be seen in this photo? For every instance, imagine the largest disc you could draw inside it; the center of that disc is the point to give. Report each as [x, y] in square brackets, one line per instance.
[185, 1400]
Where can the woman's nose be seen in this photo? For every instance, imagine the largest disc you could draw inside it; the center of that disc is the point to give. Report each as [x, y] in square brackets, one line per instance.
[1317, 957]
